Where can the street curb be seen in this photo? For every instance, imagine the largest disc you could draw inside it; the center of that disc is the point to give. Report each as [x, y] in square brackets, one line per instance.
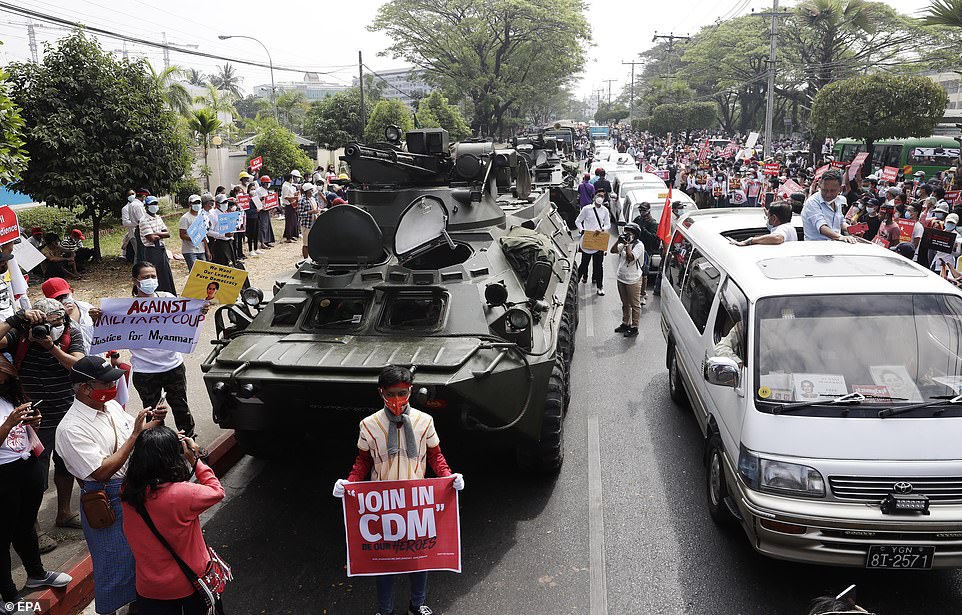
[73, 599]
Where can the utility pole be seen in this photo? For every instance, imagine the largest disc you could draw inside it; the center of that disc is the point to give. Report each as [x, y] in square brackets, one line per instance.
[770, 98]
[360, 84]
[609, 81]
[631, 92]
[166, 52]
[32, 37]
[671, 38]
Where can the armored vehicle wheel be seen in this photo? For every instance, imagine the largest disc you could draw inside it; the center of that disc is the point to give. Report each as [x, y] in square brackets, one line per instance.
[547, 455]
[566, 339]
[264, 444]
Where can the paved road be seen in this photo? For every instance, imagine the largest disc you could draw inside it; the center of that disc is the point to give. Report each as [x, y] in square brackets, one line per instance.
[527, 547]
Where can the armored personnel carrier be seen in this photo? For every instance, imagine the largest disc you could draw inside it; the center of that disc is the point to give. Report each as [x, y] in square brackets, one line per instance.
[552, 169]
[446, 261]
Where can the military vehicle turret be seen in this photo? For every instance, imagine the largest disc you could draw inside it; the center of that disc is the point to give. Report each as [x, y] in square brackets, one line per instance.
[446, 261]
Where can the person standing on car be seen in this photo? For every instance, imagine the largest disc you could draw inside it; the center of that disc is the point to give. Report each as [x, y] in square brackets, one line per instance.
[822, 213]
[595, 220]
[631, 271]
[398, 442]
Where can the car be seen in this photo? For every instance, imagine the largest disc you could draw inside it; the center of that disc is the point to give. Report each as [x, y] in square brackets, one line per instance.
[624, 182]
[806, 365]
[657, 201]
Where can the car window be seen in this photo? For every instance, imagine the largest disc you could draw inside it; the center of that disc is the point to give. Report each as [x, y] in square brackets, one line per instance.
[677, 261]
[698, 291]
[731, 323]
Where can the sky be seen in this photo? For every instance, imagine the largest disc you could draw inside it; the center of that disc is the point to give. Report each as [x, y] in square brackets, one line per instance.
[303, 36]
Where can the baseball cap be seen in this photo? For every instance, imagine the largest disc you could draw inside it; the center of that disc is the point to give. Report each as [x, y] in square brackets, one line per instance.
[55, 287]
[296, 173]
[220, 198]
[94, 368]
[194, 198]
[36, 231]
[77, 234]
[952, 218]
[943, 208]
[151, 200]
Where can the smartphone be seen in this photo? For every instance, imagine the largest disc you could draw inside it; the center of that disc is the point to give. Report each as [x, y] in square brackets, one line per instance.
[848, 596]
[33, 407]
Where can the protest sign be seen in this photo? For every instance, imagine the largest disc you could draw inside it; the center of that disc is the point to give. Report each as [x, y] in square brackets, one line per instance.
[906, 228]
[872, 391]
[752, 140]
[256, 163]
[857, 164]
[27, 256]
[159, 323]
[213, 282]
[818, 386]
[198, 230]
[772, 168]
[880, 242]
[270, 201]
[244, 201]
[662, 174]
[937, 239]
[9, 229]
[400, 526]
[789, 187]
[857, 229]
[951, 196]
[228, 221]
[595, 240]
[838, 164]
[821, 171]
[890, 174]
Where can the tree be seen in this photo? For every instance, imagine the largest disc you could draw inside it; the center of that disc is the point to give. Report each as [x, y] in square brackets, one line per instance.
[434, 111]
[879, 106]
[611, 113]
[13, 158]
[944, 13]
[96, 126]
[291, 106]
[335, 120]
[498, 54]
[228, 80]
[195, 77]
[171, 89]
[220, 102]
[387, 112]
[204, 123]
[249, 106]
[683, 117]
[281, 154]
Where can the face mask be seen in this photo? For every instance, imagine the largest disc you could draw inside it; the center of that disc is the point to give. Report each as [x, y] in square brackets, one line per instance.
[870, 210]
[223, 206]
[130, 198]
[599, 201]
[195, 206]
[148, 286]
[939, 216]
[56, 332]
[950, 227]
[396, 404]
[906, 216]
[153, 208]
[102, 396]
[66, 299]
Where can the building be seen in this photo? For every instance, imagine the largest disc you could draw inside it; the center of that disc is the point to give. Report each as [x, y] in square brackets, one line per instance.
[952, 82]
[312, 87]
[405, 84]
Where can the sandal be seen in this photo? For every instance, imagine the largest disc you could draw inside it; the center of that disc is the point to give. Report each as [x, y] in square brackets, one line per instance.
[46, 542]
[72, 523]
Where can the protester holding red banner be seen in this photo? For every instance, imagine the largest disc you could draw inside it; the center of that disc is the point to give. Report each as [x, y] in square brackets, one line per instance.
[398, 442]
[889, 229]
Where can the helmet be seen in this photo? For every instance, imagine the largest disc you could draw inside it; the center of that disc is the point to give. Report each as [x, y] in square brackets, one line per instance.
[307, 186]
[244, 175]
[634, 228]
[344, 176]
[296, 173]
[265, 179]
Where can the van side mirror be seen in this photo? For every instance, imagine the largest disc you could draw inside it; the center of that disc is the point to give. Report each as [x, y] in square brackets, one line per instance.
[722, 371]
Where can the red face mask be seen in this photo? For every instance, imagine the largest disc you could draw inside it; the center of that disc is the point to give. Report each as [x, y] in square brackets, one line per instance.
[102, 396]
[395, 402]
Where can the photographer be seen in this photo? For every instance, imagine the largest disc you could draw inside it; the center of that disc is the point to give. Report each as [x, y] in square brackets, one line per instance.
[45, 345]
[631, 269]
[95, 439]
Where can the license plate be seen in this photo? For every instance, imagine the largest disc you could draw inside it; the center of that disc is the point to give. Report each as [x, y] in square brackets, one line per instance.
[900, 557]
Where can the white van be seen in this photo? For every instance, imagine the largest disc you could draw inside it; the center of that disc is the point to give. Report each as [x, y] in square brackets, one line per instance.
[825, 377]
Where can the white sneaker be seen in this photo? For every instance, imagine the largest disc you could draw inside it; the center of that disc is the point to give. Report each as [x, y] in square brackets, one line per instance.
[253, 253]
[53, 579]
[601, 292]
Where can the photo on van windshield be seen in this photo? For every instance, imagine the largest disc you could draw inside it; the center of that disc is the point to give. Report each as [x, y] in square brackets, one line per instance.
[890, 348]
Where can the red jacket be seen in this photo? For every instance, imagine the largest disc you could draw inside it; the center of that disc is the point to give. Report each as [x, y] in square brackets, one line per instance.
[175, 509]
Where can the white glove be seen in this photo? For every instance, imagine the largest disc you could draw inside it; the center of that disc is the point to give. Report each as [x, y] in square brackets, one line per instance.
[339, 488]
[458, 482]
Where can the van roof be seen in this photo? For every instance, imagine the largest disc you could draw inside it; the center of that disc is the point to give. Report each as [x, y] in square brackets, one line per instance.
[803, 267]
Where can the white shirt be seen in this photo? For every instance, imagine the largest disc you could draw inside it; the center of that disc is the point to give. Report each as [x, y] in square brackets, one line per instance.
[947, 258]
[130, 216]
[85, 324]
[155, 360]
[787, 231]
[186, 245]
[212, 214]
[85, 437]
[588, 221]
[630, 273]
[16, 446]
[288, 191]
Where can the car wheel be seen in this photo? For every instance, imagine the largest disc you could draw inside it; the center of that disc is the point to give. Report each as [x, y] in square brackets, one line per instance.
[676, 388]
[716, 483]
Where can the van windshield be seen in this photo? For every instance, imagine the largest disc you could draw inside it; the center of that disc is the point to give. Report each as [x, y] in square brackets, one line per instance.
[893, 349]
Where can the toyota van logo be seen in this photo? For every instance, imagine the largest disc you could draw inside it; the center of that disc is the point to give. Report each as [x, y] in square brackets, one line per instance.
[903, 487]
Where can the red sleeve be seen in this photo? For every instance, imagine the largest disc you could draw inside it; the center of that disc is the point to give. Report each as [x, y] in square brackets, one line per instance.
[437, 462]
[208, 490]
[362, 467]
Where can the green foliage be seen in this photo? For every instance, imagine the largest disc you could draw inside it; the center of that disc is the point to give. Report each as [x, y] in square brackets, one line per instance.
[944, 13]
[434, 111]
[335, 120]
[183, 188]
[13, 158]
[385, 113]
[686, 116]
[291, 107]
[879, 106]
[50, 219]
[498, 54]
[249, 106]
[613, 113]
[96, 126]
[281, 153]
[171, 89]
[228, 80]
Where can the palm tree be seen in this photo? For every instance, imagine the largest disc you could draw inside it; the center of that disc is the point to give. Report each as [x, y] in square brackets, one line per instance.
[944, 13]
[228, 80]
[219, 102]
[204, 123]
[171, 89]
[290, 105]
[195, 77]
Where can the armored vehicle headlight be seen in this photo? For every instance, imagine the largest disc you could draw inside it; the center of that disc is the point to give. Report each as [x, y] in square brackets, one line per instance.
[518, 319]
[392, 134]
[496, 294]
[252, 296]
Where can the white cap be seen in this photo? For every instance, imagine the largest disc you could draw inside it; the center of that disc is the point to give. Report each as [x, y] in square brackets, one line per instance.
[296, 173]
[307, 186]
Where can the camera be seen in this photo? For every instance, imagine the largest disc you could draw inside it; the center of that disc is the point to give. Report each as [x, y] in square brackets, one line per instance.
[625, 238]
[41, 330]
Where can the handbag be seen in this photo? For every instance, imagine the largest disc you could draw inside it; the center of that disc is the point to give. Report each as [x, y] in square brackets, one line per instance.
[212, 583]
[96, 504]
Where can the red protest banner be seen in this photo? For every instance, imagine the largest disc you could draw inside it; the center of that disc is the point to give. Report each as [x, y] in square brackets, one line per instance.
[400, 526]
[857, 164]
[857, 229]
[951, 196]
[879, 241]
[244, 201]
[270, 201]
[772, 168]
[838, 164]
[820, 171]
[890, 174]
[906, 227]
[789, 187]
[256, 163]
[9, 229]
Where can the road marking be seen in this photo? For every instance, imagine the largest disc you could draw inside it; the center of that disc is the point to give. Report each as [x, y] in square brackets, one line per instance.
[598, 586]
[589, 313]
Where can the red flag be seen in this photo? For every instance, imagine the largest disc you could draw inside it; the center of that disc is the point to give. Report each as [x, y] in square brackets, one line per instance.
[664, 225]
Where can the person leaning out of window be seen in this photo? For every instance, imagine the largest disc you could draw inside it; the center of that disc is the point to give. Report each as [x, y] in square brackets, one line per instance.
[779, 221]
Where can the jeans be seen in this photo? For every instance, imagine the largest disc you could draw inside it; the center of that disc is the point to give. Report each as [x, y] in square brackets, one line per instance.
[385, 590]
[174, 383]
[22, 494]
[597, 260]
[192, 257]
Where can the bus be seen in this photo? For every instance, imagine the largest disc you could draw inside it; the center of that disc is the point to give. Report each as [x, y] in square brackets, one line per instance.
[599, 132]
[927, 154]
